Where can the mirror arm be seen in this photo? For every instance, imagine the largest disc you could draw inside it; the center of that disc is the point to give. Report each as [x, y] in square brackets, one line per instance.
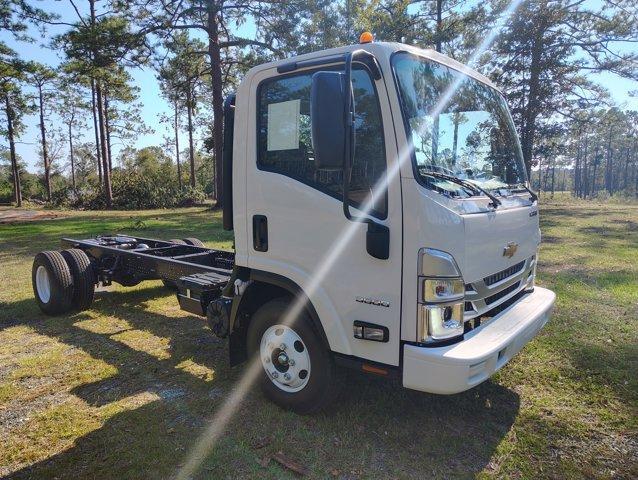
[349, 115]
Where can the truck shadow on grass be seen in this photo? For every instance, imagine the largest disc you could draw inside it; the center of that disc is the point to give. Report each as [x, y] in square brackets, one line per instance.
[376, 428]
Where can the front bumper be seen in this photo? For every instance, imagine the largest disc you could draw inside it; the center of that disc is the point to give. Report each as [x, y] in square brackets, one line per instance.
[458, 367]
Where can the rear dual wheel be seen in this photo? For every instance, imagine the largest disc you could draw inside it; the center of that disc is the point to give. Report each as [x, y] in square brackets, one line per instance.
[195, 242]
[52, 283]
[63, 281]
[83, 277]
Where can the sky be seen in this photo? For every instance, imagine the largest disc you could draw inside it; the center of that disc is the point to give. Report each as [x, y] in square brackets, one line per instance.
[153, 105]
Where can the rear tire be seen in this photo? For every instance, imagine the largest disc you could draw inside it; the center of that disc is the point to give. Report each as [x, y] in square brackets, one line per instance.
[52, 283]
[195, 242]
[312, 382]
[83, 278]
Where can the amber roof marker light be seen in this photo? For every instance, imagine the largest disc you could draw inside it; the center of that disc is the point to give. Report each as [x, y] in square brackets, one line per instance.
[366, 37]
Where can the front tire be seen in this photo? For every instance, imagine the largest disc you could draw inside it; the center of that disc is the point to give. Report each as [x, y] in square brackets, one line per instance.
[299, 372]
[52, 283]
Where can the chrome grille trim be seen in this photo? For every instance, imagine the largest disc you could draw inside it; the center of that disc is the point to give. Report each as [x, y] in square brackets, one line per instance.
[498, 295]
[484, 296]
[503, 274]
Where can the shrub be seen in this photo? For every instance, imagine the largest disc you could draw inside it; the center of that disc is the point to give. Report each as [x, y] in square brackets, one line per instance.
[190, 196]
[134, 190]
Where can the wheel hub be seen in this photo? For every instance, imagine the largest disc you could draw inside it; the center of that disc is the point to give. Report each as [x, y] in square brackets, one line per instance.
[285, 358]
[43, 284]
[282, 359]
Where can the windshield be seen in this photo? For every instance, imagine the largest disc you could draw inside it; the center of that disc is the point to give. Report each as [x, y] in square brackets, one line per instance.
[459, 127]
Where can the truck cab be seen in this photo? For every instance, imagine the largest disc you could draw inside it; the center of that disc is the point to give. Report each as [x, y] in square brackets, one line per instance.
[426, 269]
[382, 219]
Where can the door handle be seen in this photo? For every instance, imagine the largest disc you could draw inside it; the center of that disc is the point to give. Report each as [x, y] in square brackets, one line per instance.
[260, 233]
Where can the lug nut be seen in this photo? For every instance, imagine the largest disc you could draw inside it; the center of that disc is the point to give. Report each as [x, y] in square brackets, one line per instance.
[282, 346]
[267, 359]
[282, 358]
[291, 362]
[287, 376]
[275, 375]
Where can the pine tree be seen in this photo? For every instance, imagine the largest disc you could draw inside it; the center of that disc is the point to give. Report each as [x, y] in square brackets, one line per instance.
[545, 52]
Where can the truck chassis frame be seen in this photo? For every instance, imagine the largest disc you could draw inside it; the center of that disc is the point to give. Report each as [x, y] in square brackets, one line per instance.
[199, 274]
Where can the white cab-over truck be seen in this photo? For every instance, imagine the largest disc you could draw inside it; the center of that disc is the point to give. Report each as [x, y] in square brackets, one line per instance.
[381, 189]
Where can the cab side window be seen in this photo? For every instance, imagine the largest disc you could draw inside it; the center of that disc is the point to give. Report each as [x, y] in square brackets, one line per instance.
[285, 146]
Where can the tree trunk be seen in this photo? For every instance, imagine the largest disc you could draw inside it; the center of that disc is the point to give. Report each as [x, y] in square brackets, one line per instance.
[191, 148]
[106, 172]
[608, 163]
[15, 171]
[43, 139]
[593, 175]
[435, 139]
[107, 126]
[98, 152]
[634, 154]
[99, 99]
[547, 169]
[528, 131]
[626, 175]
[439, 24]
[455, 140]
[577, 165]
[179, 168]
[582, 188]
[71, 155]
[218, 100]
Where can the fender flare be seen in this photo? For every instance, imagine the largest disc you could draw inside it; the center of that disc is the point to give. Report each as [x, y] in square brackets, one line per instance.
[284, 283]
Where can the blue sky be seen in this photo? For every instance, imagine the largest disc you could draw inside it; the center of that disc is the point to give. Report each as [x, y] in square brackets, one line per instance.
[154, 105]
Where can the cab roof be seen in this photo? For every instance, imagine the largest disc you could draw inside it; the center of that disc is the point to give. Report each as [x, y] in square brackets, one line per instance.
[381, 50]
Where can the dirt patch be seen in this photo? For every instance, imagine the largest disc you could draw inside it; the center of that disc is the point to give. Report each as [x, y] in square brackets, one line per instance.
[16, 215]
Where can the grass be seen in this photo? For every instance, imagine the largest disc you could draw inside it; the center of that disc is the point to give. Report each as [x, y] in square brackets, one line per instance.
[122, 390]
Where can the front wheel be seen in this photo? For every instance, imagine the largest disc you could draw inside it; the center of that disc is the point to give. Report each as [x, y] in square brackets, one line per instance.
[298, 371]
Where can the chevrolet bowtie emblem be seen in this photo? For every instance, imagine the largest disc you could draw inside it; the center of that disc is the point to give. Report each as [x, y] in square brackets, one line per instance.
[510, 249]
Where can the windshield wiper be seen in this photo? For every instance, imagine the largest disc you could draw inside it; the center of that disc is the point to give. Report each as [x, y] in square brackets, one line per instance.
[532, 195]
[464, 183]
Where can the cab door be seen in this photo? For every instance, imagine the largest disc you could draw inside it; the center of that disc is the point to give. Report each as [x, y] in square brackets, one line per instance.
[294, 219]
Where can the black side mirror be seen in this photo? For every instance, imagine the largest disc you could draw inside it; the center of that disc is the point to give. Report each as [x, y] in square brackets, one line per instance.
[328, 128]
[332, 129]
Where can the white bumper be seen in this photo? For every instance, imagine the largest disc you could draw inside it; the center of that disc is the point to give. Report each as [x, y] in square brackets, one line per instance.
[461, 366]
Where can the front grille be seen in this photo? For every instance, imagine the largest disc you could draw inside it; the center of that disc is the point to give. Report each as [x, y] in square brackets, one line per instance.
[503, 274]
[506, 291]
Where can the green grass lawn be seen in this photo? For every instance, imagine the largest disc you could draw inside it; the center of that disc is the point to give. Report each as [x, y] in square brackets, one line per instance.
[122, 390]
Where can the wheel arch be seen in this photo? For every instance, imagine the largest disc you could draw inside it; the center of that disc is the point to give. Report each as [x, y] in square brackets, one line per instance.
[263, 287]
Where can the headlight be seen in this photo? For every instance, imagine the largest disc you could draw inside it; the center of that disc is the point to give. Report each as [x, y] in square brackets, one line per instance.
[440, 322]
[441, 297]
[443, 289]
